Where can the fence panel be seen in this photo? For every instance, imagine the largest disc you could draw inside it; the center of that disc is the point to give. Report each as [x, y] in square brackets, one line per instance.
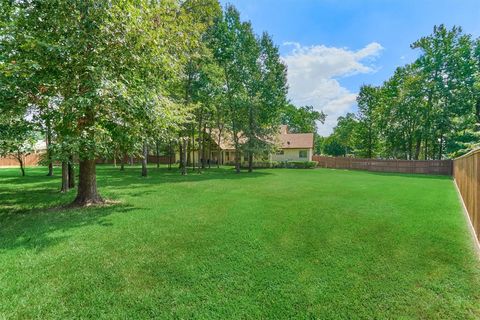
[466, 171]
[29, 160]
[442, 167]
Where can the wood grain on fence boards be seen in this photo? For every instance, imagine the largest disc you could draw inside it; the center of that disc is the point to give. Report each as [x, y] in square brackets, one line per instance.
[443, 167]
[466, 171]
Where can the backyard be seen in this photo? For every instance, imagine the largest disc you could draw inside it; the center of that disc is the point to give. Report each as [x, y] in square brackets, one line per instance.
[276, 243]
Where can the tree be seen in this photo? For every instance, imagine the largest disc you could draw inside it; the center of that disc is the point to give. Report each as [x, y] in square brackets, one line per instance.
[366, 131]
[446, 61]
[428, 109]
[254, 84]
[96, 47]
[225, 43]
[333, 147]
[302, 119]
[267, 94]
[17, 140]
[344, 133]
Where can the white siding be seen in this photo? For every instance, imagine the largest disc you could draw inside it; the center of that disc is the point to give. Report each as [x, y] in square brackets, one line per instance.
[292, 155]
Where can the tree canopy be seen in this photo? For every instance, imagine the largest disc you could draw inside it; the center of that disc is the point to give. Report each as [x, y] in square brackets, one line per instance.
[428, 109]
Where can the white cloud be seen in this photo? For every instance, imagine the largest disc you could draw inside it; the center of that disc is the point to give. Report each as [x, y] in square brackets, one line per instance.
[313, 73]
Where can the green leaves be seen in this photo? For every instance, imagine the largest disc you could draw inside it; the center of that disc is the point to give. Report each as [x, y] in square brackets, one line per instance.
[428, 109]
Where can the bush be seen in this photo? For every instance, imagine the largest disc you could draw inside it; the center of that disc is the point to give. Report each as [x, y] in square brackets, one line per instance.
[261, 164]
[282, 164]
[301, 164]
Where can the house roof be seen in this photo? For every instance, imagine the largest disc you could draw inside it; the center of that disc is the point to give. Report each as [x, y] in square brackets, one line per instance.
[294, 140]
[284, 139]
[226, 139]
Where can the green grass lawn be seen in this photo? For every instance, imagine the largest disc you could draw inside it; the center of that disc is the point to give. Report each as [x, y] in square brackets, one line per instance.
[279, 243]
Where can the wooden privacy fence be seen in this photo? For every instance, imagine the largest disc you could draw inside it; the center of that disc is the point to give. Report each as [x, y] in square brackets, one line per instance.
[34, 158]
[466, 172]
[29, 160]
[443, 167]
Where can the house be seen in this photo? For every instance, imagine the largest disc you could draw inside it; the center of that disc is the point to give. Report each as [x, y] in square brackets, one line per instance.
[293, 146]
[220, 147]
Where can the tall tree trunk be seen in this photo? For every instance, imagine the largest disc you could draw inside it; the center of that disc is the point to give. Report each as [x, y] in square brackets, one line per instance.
[251, 133]
[250, 161]
[170, 155]
[180, 148]
[21, 163]
[209, 147]
[188, 155]
[157, 154]
[477, 109]
[417, 148]
[425, 149]
[144, 160]
[200, 145]
[22, 168]
[115, 159]
[87, 185]
[234, 127]
[192, 148]
[65, 175]
[50, 169]
[440, 147]
[219, 149]
[184, 160]
[237, 159]
[204, 154]
[48, 141]
[71, 173]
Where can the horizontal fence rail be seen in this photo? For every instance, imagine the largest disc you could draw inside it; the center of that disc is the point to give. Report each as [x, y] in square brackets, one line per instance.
[441, 167]
[466, 172]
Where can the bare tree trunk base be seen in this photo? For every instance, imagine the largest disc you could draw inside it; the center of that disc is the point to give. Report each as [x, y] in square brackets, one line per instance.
[87, 194]
[87, 202]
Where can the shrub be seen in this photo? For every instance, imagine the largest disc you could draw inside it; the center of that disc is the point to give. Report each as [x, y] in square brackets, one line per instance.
[282, 164]
[261, 164]
[301, 164]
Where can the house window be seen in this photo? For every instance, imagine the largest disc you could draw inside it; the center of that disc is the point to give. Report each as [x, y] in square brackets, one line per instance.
[279, 152]
[227, 154]
[303, 154]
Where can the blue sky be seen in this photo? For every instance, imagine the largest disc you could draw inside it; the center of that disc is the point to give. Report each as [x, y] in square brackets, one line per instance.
[332, 47]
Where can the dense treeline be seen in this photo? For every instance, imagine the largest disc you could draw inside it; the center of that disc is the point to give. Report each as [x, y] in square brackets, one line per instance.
[429, 109]
[125, 79]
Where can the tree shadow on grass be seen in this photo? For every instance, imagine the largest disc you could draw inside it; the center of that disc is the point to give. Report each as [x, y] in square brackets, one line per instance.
[33, 213]
[40, 229]
[130, 177]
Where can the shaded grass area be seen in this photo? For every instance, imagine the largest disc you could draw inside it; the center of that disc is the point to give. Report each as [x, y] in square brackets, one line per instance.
[276, 243]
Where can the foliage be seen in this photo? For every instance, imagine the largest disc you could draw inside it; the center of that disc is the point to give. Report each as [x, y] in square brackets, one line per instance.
[301, 164]
[284, 164]
[254, 81]
[303, 119]
[17, 140]
[428, 109]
